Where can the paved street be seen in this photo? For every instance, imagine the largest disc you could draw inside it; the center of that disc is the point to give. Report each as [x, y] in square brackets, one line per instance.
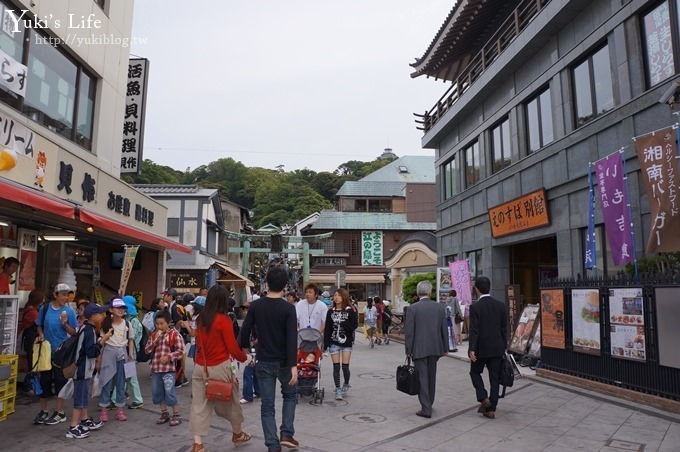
[537, 415]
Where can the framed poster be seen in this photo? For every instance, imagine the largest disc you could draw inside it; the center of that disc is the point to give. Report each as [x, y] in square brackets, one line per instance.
[627, 324]
[667, 315]
[28, 256]
[585, 320]
[443, 284]
[525, 329]
[552, 319]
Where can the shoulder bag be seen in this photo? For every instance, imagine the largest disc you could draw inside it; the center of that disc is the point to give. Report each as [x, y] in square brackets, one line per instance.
[408, 380]
[217, 390]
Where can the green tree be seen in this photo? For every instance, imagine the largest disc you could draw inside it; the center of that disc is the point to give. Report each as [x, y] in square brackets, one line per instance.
[151, 173]
[408, 288]
[282, 203]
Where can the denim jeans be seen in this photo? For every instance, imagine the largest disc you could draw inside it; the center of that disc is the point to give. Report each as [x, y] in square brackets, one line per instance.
[163, 388]
[118, 381]
[267, 373]
[250, 383]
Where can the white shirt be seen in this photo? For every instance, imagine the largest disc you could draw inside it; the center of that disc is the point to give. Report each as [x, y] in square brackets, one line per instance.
[311, 315]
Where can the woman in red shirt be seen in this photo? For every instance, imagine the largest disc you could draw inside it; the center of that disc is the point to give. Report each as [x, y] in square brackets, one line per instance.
[216, 347]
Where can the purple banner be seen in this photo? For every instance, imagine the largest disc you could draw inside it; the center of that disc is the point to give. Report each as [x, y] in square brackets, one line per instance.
[461, 281]
[615, 208]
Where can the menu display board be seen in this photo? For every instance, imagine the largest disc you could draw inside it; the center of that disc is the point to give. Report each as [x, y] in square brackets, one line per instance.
[552, 319]
[585, 325]
[627, 320]
[525, 329]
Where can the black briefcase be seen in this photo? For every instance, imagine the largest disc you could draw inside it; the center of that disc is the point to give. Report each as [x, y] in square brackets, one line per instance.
[407, 378]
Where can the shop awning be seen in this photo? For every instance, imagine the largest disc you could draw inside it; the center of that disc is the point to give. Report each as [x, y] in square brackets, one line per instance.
[36, 199]
[356, 278]
[229, 275]
[130, 233]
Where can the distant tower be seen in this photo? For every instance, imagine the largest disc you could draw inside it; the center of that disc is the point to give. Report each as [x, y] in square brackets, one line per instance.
[387, 154]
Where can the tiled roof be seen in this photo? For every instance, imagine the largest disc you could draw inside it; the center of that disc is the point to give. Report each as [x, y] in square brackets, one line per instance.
[333, 220]
[371, 188]
[409, 168]
[170, 189]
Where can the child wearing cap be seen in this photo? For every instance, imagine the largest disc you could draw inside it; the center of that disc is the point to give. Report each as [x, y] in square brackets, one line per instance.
[88, 351]
[119, 348]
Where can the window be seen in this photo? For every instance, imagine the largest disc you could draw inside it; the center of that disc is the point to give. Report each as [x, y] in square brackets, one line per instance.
[472, 164]
[359, 205]
[450, 177]
[173, 227]
[60, 94]
[539, 121]
[593, 90]
[658, 45]
[475, 262]
[380, 205]
[500, 143]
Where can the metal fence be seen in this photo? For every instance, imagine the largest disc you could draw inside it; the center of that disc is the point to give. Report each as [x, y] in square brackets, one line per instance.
[648, 376]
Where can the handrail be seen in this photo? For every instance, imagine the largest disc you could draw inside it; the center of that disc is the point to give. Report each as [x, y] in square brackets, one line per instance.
[495, 45]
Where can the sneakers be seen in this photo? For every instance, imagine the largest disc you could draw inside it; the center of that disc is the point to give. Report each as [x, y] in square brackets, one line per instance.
[346, 388]
[77, 432]
[56, 418]
[244, 401]
[120, 414]
[289, 441]
[135, 405]
[41, 418]
[104, 414]
[90, 424]
[338, 394]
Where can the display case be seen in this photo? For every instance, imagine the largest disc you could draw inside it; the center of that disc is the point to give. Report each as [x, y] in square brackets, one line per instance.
[9, 319]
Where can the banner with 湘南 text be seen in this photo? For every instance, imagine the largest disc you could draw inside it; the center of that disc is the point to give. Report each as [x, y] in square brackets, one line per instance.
[611, 187]
[371, 248]
[658, 157]
[461, 281]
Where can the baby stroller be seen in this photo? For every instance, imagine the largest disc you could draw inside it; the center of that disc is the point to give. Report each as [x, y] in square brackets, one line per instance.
[308, 364]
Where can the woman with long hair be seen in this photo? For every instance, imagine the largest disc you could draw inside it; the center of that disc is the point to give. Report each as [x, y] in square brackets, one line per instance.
[341, 321]
[216, 348]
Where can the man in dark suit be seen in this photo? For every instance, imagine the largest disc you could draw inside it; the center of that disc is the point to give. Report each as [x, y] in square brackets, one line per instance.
[488, 333]
[426, 340]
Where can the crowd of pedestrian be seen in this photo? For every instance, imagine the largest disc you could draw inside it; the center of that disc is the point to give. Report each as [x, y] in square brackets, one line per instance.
[111, 337]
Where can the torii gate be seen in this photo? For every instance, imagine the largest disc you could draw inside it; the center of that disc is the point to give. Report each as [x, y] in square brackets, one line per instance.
[306, 252]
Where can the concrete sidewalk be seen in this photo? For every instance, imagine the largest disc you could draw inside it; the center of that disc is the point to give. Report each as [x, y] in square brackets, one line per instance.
[536, 415]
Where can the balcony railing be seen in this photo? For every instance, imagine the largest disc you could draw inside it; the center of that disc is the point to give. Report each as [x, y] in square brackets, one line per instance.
[499, 41]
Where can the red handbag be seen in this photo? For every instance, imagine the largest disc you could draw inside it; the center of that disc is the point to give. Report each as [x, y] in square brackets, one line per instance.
[217, 390]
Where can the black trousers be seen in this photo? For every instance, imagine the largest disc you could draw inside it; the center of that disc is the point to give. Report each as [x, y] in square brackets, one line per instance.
[493, 366]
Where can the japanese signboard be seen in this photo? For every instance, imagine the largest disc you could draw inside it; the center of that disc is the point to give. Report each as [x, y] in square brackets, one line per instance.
[187, 280]
[82, 258]
[627, 324]
[659, 42]
[461, 281]
[585, 320]
[16, 136]
[658, 157]
[552, 318]
[128, 263]
[133, 121]
[28, 256]
[371, 248]
[526, 212]
[613, 195]
[12, 74]
[525, 329]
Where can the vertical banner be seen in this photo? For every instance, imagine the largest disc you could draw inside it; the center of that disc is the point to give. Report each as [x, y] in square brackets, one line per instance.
[128, 262]
[658, 157]
[590, 257]
[460, 280]
[28, 257]
[615, 208]
[133, 121]
[552, 319]
[371, 248]
[443, 284]
[585, 320]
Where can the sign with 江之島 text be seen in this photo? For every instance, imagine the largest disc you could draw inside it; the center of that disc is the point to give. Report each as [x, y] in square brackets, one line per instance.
[526, 212]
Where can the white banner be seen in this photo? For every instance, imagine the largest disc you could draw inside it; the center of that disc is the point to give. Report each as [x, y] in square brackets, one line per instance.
[133, 121]
[371, 248]
[12, 74]
[128, 262]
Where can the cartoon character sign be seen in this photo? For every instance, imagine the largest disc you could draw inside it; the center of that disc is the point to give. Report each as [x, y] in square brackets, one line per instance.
[40, 165]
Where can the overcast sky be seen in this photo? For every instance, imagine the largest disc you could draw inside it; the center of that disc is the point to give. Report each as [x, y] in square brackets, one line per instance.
[302, 83]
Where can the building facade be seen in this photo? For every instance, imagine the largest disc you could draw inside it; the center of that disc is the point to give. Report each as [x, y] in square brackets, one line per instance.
[65, 211]
[538, 91]
[374, 218]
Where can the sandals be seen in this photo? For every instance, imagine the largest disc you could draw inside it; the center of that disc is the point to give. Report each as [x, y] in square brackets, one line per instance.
[175, 420]
[240, 438]
[165, 417]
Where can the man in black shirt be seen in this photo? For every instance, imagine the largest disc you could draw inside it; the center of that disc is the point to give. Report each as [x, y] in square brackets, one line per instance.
[275, 321]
